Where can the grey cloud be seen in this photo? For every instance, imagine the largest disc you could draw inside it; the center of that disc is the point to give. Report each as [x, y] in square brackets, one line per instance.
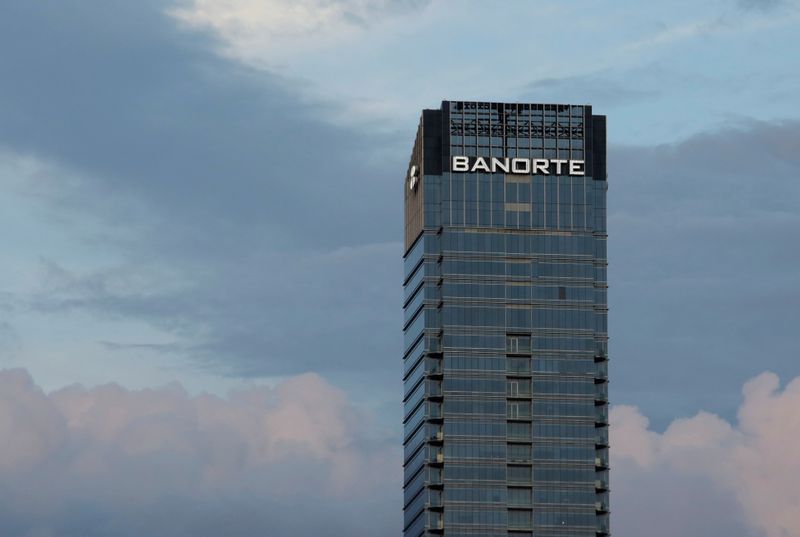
[244, 221]
[704, 290]
[761, 5]
[9, 340]
[282, 313]
[263, 259]
[220, 155]
[297, 459]
[603, 89]
[703, 287]
[157, 347]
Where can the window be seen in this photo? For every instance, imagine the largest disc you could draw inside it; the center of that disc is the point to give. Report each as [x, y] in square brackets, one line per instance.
[519, 496]
[518, 343]
[518, 387]
[519, 474]
[519, 518]
[562, 293]
[518, 409]
[519, 452]
[518, 430]
[519, 365]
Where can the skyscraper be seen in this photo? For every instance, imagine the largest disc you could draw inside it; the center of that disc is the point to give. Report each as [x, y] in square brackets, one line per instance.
[505, 352]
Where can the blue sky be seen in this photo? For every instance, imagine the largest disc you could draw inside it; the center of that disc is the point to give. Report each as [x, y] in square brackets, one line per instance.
[208, 192]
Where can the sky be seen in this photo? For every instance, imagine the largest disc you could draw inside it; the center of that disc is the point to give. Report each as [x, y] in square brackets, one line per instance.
[201, 220]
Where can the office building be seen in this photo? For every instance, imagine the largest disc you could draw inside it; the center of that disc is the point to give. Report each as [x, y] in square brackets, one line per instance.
[505, 323]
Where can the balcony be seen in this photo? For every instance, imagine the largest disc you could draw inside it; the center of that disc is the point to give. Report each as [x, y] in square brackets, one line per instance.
[601, 356]
[601, 393]
[601, 416]
[434, 366]
[435, 523]
[602, 372]
[434, 388]
[435, 500]
[602, 526]
[434, 477]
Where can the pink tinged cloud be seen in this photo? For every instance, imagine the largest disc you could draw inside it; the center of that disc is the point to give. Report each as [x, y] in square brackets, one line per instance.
[31, 427]
[127, 451]
[134, 446]
[716, 472]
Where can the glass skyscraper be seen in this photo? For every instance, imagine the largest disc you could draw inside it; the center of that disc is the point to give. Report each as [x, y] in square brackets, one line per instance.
[505, 323]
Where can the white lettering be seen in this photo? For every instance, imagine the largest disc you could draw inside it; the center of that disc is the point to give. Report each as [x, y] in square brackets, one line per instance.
[524, 168]
[460, 164]
[501, 164]
[480, 164]
[576, 167]
[541, 165]
[558, 163]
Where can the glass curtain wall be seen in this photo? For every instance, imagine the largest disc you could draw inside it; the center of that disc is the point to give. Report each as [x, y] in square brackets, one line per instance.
[506, 333]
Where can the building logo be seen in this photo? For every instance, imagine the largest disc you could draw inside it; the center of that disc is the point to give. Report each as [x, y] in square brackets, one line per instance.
[524, 166]
[413, 178]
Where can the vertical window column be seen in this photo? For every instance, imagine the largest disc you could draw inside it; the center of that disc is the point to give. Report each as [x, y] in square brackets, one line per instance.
[519, 434]
[601, 484]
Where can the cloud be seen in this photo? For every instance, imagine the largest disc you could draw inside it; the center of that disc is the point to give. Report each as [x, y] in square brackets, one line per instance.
[296, 459]
[604, 89]
[267, 314]
[300, 459]
[760, 5]
[705, 476]
[702, 276]
[9, 337]
[224, 210]
[159, 132]
[260, 240]
[253, 28]
[685, 31]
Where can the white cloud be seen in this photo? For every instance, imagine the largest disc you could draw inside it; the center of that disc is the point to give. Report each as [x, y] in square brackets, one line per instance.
[255, 29]
[374, 57]
[752, 467]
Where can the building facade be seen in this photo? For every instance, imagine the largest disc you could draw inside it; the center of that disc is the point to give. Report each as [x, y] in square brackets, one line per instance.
[505, 323]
